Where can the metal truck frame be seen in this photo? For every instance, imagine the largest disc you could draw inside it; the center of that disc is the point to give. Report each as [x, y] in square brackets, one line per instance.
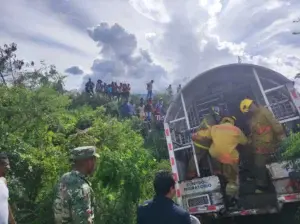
[203, 195]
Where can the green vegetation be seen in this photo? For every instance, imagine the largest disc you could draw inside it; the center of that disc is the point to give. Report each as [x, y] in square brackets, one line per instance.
[40, 122]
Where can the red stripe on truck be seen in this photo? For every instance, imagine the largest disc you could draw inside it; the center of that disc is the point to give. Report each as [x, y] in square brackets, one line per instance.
[175, 177]
[167, 132]
[172, 161]
[178, 194]
[294, 94]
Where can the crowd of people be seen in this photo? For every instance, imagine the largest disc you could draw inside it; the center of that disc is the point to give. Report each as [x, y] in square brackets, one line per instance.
[111, 91]
[146, 109]
[121, 90]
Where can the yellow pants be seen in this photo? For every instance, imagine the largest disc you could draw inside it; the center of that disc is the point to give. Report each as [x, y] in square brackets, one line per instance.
[230, 172]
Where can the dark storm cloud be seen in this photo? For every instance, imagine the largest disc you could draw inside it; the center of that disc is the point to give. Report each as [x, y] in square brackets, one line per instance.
[120, 57]
[74, 70]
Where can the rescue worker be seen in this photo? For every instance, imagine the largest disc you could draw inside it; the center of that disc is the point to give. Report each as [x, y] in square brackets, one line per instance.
[162, 209]
[225, 139]
[74, 198]
[213, 118]
[266, 133]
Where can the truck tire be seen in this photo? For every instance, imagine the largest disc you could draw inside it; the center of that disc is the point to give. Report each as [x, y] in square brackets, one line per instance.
[195, 220]
[208, 219]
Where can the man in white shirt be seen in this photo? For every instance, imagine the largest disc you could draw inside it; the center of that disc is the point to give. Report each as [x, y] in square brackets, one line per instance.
[5, 212]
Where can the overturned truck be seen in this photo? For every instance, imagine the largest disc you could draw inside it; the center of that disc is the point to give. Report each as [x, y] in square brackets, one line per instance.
[227, 85]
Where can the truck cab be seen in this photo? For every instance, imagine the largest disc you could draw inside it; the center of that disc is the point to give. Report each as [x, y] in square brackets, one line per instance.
[226, 86]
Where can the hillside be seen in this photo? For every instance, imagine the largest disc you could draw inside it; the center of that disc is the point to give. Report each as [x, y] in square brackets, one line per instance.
[40, 122]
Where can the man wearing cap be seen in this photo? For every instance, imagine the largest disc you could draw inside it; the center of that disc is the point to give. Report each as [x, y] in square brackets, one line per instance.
[74, 198]
[6, 215]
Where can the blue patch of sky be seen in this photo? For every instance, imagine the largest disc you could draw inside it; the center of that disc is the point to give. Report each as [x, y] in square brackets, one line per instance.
[73, 15]
[41, 40]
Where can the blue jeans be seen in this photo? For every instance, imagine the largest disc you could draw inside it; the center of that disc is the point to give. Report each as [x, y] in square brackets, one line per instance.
[149, 94]
[148, 116]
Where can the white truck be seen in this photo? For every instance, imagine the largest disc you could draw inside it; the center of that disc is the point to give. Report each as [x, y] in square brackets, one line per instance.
[226, 86]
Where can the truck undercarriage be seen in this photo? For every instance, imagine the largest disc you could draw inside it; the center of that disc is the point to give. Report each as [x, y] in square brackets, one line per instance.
[221, 87]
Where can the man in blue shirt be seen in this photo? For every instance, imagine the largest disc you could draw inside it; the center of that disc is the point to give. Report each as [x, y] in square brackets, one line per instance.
[162, 209]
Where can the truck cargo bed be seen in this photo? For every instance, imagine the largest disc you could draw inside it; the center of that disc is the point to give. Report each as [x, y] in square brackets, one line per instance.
[257, 201]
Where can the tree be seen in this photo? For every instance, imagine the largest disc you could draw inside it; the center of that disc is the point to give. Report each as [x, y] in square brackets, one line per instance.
[10, 66]
[40, 122]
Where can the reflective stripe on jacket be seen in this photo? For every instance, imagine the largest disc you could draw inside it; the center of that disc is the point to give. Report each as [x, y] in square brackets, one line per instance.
[199, 142]
[225, 138]
[265, 131]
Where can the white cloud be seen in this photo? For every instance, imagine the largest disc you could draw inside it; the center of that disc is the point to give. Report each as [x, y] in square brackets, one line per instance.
[183, 37]
[154, 9]
[213, 7]
[260, 32]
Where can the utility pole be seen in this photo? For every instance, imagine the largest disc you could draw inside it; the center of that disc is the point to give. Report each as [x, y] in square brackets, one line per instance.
[239, 60]
[296, 21]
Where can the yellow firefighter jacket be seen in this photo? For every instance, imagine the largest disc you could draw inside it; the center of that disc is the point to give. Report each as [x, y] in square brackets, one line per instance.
[266, 131]
[225, 138]
[206, 123]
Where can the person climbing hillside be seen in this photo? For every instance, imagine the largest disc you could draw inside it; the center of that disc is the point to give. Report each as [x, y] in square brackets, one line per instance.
[149, 110]
[89, 87]
[159, 107]
[266, 133]
[99, 86]
[179, 88]
[141, 109]
[170, 91]
[149, 89]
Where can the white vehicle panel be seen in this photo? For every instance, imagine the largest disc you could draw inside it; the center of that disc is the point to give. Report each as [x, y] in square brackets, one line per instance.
[279, 170]
[200, 185]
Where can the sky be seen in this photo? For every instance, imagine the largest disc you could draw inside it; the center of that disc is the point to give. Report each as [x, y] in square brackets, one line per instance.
[135, 41]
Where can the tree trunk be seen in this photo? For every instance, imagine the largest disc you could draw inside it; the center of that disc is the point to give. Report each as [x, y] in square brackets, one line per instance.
[3, 79]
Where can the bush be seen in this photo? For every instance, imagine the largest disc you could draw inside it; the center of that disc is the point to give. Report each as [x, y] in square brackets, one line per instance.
[38, 136]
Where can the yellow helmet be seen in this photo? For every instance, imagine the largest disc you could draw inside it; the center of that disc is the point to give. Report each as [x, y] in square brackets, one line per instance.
[245, 105]
[230, 120]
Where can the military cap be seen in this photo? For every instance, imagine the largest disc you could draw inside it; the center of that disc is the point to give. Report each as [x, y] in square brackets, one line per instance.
[83, 152]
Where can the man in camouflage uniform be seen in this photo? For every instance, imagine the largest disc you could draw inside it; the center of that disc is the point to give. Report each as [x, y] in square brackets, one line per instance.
[74, 199]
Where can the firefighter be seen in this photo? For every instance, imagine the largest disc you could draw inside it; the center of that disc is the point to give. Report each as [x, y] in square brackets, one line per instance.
[266, 133]
[225, 139]
[213, 118]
